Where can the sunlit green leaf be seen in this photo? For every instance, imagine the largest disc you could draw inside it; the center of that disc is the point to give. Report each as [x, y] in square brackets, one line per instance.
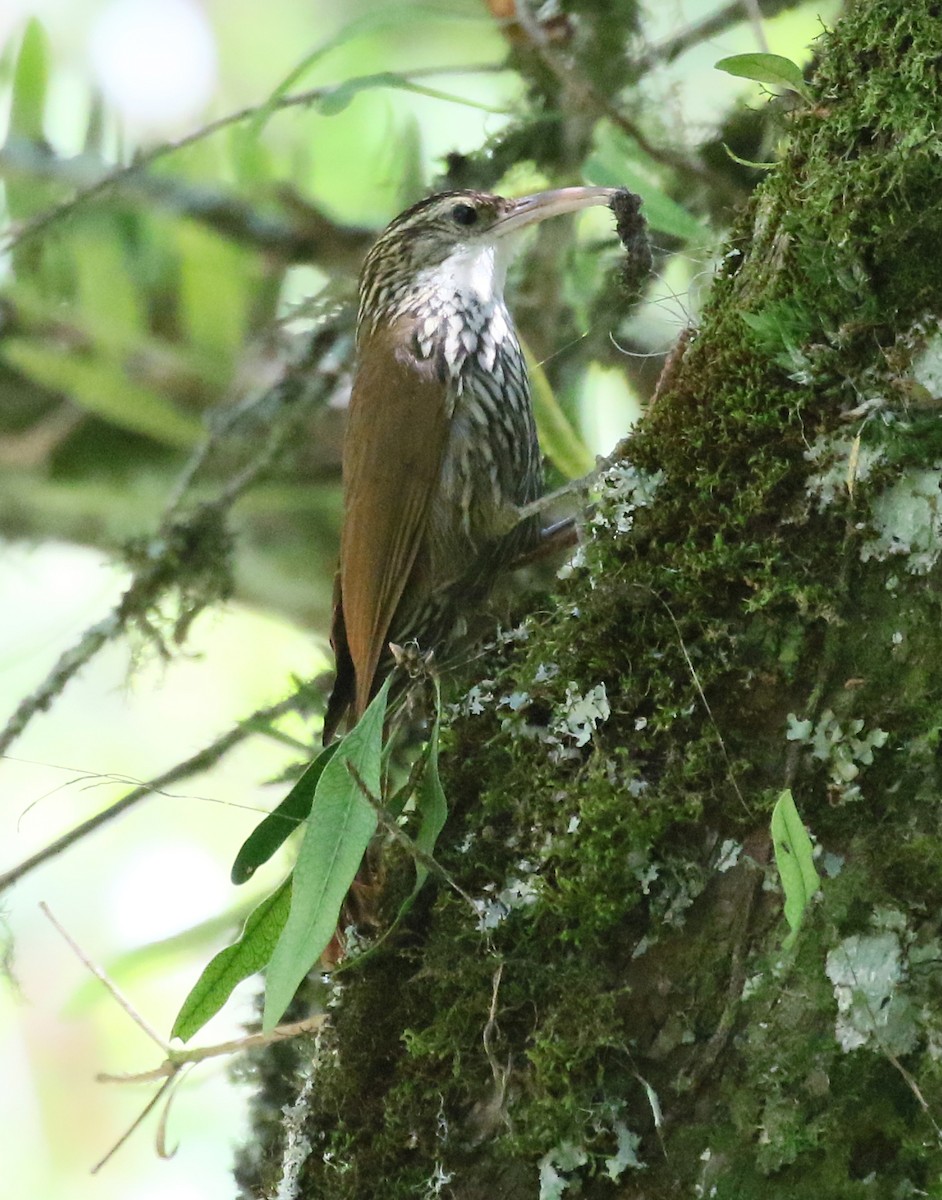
[795, 861]
[772, 69]
[252, 162]
[30, 83]
[229, 967]
[338, 831]
[26, 196]
[282, 821]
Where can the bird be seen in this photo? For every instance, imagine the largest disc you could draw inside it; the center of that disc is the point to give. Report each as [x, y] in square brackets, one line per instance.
[440, 451]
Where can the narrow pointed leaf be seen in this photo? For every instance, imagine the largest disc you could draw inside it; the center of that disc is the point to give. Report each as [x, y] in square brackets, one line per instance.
[30, 83]
[271, 833]
[237, 962]
[795, 862]
[431, 803]
[562, 444]
[338, 831]
[29, 95]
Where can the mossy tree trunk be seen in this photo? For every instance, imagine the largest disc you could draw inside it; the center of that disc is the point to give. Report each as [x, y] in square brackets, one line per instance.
[757, 608]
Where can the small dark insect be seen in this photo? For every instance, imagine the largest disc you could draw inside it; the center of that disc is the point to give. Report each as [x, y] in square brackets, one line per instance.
[632, 230]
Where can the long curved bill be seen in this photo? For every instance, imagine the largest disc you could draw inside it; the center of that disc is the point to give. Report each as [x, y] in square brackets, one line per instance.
[541, 205]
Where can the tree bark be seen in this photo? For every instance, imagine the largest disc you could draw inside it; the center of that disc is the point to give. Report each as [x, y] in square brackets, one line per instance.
[756, 607]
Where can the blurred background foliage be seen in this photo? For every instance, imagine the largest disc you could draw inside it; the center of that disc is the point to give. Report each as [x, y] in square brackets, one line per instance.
[188, 189]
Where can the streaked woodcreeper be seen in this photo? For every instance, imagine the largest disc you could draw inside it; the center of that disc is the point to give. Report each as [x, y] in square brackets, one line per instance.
[440, 450]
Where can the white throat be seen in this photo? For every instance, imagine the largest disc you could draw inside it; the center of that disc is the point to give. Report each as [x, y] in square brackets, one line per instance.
[465, 313]
[478, 270]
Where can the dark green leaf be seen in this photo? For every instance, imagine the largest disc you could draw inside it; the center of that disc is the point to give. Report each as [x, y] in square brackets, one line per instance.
[237, 962]
[430, 802]
[338, 831]
[772, 69]
[795, 861]
[281, 822]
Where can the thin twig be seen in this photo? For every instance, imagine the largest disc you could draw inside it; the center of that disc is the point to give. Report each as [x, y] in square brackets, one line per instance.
[135, 1124]
[160, 1137]
[170, 551]
[499, 1071]
[201, 761]
[117, 995]
[584, 91]
[306, 235]
[177, 1059]
[392, 827]
[710, 26]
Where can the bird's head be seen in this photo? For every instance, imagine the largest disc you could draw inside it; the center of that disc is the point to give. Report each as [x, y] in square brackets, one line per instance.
[457, 242]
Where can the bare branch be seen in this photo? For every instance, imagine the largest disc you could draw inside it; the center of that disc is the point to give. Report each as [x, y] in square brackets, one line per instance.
[306, 235]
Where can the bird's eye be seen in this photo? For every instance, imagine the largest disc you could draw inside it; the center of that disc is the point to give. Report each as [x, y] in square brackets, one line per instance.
[464, 214]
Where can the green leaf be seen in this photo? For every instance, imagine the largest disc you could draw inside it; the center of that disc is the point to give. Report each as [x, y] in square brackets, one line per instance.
[237, 962]
[562, 445]
[30, 83]
[772, 69]
[407, 161]
[795, 862]
[25, 196]
[215, 319]
[338, 831]
[106, 292]
[281, 822]
[430, 802]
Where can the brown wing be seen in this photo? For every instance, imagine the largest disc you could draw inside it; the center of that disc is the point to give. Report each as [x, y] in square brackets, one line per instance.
[396, 431]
